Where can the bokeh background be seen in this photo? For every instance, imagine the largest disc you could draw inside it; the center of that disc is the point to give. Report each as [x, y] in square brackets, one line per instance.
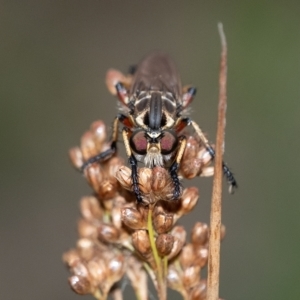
[54, 56]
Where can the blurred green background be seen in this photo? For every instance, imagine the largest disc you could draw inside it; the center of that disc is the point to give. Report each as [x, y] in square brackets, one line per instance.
[54, 56]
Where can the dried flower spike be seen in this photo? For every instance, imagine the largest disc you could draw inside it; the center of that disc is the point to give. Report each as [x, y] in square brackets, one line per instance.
[113, 221]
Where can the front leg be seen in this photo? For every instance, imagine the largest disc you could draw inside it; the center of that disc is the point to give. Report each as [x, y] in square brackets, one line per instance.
[133, 165]
[135, 179]
[226, 171]
[182, 123]
[103, 156]
[174, 168]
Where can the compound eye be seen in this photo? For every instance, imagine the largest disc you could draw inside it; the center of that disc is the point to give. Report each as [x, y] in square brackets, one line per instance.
[168, 142]
[138, 142]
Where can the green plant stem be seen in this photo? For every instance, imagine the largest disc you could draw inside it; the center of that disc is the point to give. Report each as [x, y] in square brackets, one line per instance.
[165, 264]
[161, 278]
[137, 294]
[98, 295]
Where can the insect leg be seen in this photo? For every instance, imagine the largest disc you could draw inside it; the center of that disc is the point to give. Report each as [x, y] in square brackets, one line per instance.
[122, 93]
[113, 77]
[174, 168]
[132, 69]
[133, 164]
[103, 156]
[188, 96]
[230, 178]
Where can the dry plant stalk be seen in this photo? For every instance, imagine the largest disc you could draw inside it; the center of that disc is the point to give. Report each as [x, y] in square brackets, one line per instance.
[119, 237]
[216, 202]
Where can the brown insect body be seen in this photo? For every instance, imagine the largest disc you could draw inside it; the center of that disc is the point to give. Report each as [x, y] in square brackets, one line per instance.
[155, 95]
[153, 103]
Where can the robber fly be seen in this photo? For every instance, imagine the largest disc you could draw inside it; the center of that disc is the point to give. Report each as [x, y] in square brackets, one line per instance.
[152, 118]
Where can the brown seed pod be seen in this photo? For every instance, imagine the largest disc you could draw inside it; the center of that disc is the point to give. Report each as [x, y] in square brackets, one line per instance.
[191, 276]
[114, 270]
[107, 189]
[81, 285]
[116, 267]
[198, 292]
[201, 256]
[189, 200]
[94, 176]
[195, 160]
[161, 184]
[79, 268]
[145, 175]
[179, 234]
[200, 234]
[88, 147]
[192, 148]
[207, 172]
[205, 156]
[76, 157]
[98, 270]
[115, 163]
[133, 218]
[98, 129]
[190, 167]
[164, 244]
[116, 211]
[141, 243]
[123, 175]
[162, 222]
[159, 179]
[187, 256]
[71, 257]
[107, 233]
[88, 229]
[85, 248]
[90, 208]
[174, 278]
